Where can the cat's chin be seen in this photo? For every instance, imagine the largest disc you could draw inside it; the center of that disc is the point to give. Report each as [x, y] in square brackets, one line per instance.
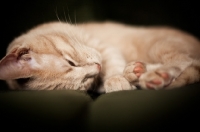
[87, 84]
[93, 84]
[93, 70]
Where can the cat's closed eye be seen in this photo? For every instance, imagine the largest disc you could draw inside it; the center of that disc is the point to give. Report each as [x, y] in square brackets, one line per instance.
[71, 63]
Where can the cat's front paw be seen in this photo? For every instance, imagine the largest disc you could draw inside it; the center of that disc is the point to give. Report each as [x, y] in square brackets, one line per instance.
[133, 71]
[117, 83]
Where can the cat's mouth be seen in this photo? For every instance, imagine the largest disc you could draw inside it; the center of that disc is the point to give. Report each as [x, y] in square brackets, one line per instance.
[91, 83]
[90, 78]
[93, 70]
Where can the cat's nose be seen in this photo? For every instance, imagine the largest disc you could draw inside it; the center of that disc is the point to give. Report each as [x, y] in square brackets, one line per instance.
[98, 66]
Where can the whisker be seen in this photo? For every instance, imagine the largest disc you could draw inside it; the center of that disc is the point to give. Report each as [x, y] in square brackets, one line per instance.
[69, 87]
[56, 11]
[69, 15]
[65, 15]
[75, 17]
[57, 86]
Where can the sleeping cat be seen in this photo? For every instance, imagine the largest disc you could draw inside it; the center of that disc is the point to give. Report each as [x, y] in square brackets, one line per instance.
[59, 55]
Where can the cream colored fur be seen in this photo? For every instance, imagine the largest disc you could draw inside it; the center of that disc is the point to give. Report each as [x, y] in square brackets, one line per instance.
[59, 55]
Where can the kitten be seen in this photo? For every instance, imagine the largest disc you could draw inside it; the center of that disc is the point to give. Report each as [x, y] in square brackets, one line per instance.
[60, 55]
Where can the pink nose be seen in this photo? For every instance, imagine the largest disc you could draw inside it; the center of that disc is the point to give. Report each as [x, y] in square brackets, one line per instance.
[98, 66]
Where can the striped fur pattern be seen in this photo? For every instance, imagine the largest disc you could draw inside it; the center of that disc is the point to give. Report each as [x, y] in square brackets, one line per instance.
[59, 55]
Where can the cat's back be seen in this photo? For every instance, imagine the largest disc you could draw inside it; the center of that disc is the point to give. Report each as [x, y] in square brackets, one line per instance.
[117, 33]
[114, 28]
[142, 39]
[107, 28]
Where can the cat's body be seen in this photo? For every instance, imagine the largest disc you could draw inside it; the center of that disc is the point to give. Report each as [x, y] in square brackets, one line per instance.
[62, 56]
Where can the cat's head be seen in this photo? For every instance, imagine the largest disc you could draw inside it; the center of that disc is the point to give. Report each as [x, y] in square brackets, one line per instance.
[51, 56]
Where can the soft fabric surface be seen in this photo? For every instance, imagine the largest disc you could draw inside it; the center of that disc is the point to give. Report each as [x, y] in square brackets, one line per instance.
[148, 110]
[43, 109]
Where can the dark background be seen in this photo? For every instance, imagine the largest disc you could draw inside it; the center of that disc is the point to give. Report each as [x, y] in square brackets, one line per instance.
[19, 15]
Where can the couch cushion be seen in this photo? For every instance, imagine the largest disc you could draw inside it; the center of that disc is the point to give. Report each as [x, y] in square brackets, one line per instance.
[44, 109]
[146, 110]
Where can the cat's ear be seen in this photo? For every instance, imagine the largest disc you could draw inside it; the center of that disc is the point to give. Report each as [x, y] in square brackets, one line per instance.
[16, 64]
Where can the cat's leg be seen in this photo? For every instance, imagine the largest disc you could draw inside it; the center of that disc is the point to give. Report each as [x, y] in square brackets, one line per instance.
[174, 73]
[134, 70]
[159, 78]
[117, 83]
[179, 65]
[190, 74]
[112, 71]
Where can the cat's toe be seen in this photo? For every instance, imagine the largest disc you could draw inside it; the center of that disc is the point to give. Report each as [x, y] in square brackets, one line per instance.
[117, 83]
[133, 71]
[155, 80]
